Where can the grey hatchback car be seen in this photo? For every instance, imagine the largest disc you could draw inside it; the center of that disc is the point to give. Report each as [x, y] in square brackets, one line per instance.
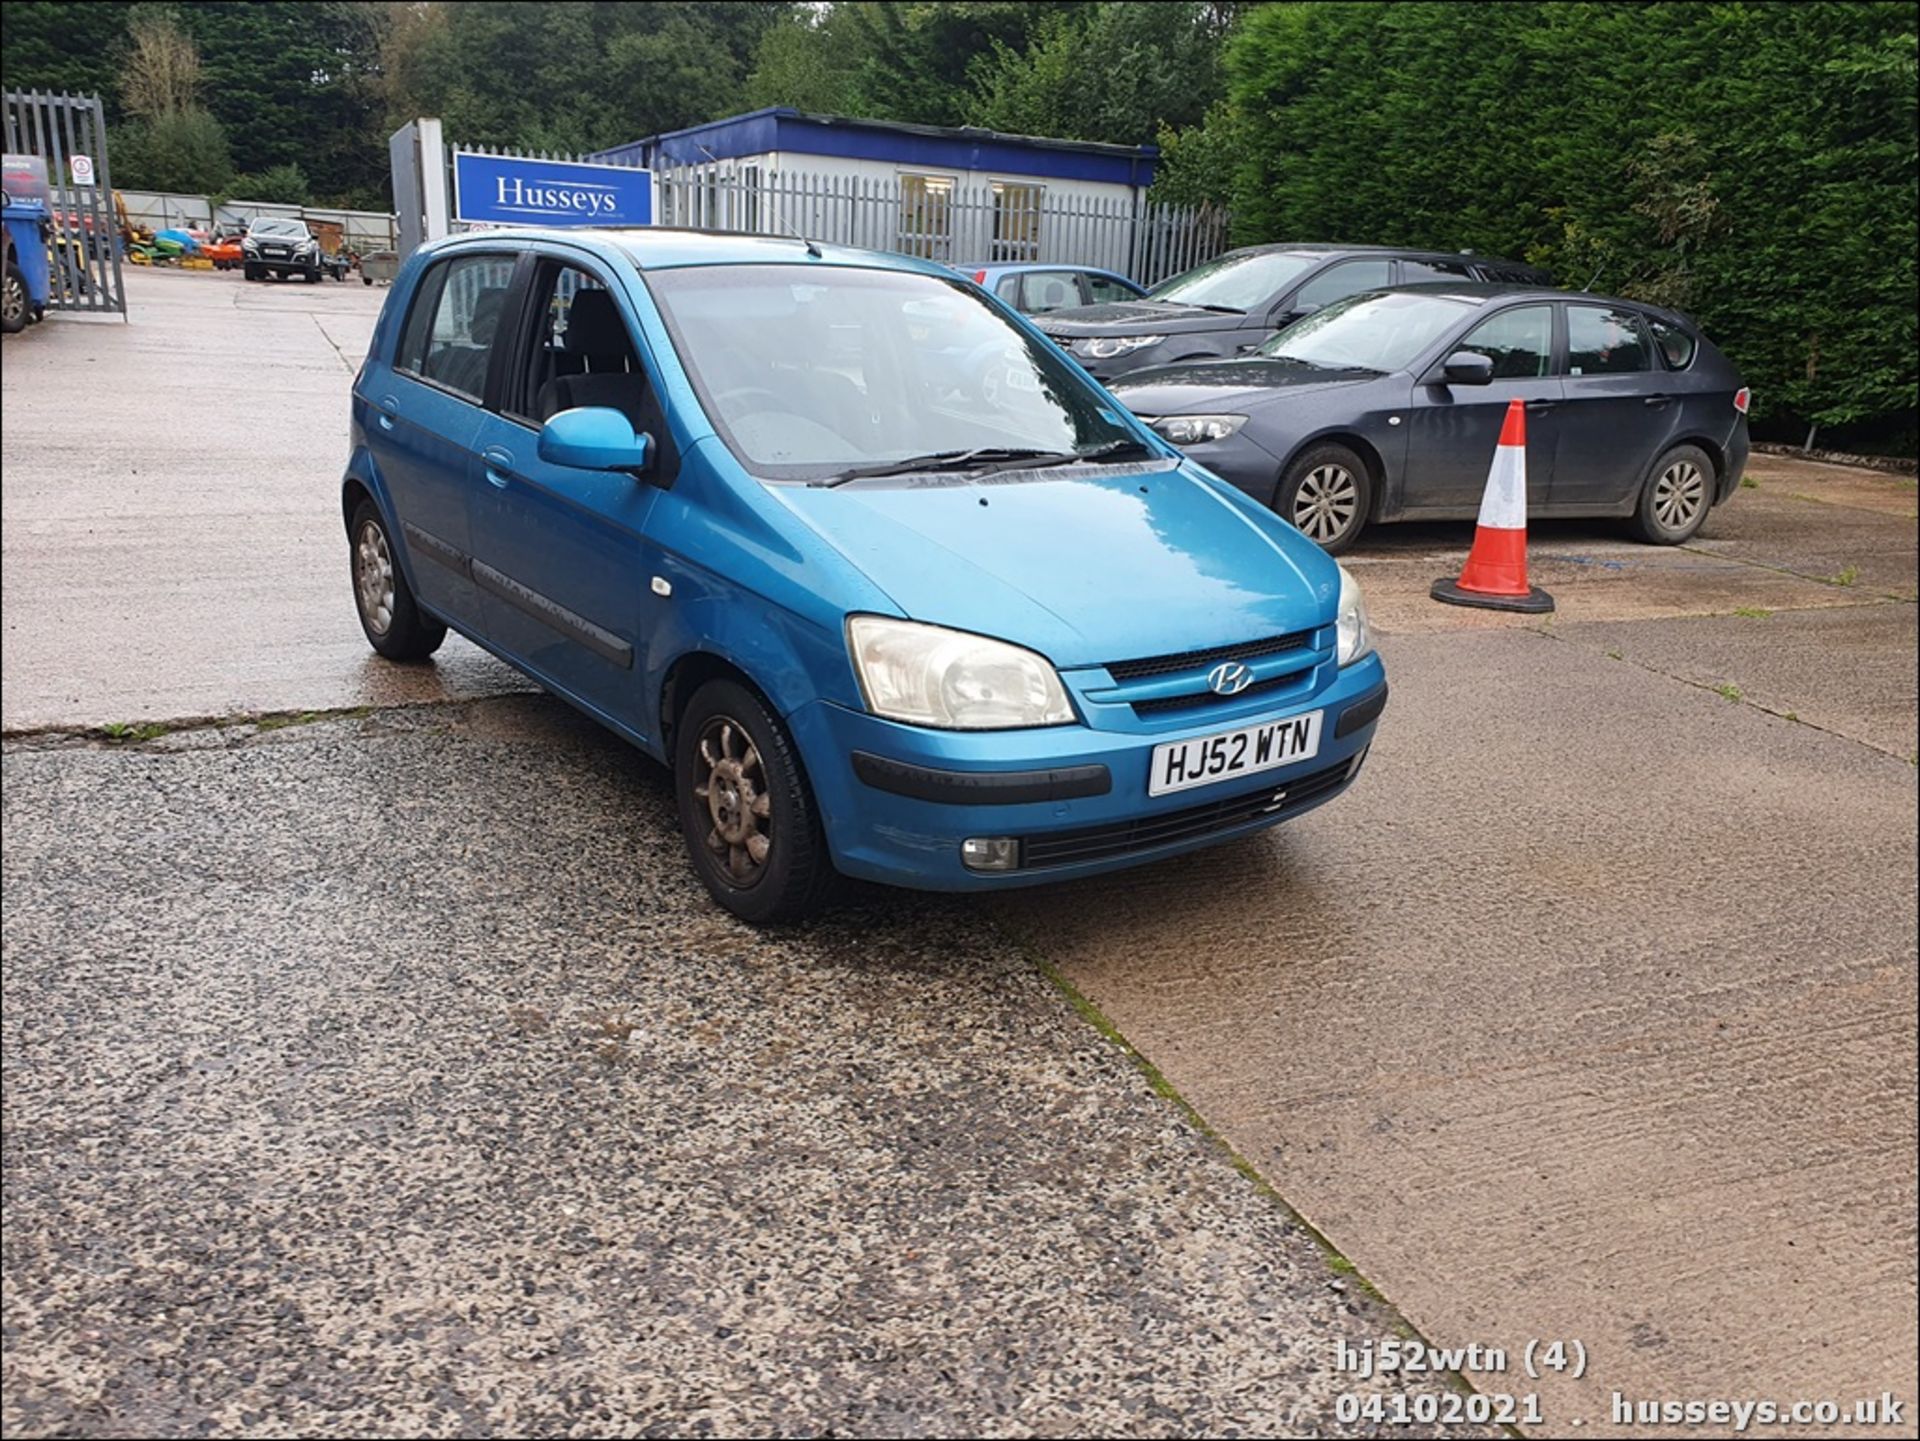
[1387, 406]
[1226, 306]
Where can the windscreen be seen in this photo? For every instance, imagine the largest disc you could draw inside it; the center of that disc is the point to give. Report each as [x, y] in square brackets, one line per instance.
[1236, 282]
[810, 370]
[1382, 330]
[278, 229]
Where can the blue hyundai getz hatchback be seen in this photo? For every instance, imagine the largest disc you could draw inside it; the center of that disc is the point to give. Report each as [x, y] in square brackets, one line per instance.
[729, 496]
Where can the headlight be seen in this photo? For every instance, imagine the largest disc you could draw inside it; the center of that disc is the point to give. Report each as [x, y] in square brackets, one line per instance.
[1197, 429]
[931, 676]
[1105, 347]
[249, 244]
[1355, 635]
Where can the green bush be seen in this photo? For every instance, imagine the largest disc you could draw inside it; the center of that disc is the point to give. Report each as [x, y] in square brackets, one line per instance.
[1753, 164]
[277, 184]
[183, 151]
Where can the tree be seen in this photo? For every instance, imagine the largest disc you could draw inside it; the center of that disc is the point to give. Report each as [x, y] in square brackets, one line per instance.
[279, 185]
[1754, 164]
[1158, 66]
[162, 74]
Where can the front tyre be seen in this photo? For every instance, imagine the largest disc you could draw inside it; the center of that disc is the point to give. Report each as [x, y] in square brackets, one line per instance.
[1326, 494]
[1676, 497]
[749, 818]
[396, 627]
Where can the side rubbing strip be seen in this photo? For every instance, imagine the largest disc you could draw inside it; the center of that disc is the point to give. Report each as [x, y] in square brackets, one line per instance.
[434, 548]
[598, 639]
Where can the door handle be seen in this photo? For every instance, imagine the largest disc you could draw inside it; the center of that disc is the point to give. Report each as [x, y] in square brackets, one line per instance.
[1541, 406]
[499, 466]
[389, 408]
[1657, 402]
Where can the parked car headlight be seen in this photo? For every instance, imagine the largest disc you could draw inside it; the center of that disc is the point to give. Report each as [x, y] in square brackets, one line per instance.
[931, 676]
[249, 245]
[1197, 429]
[1105, 347]
[1355, 635]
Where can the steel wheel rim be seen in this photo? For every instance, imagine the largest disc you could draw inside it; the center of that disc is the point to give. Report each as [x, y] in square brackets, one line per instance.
[16, 299]
[373, 578]
[1679, 494]
[1325, 505]
[733, 788]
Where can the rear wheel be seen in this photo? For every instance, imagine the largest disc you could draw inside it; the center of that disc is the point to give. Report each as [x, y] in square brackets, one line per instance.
[396, 627]
[749, 818]
[1676, 497]
[13, 304]
[1327, 494]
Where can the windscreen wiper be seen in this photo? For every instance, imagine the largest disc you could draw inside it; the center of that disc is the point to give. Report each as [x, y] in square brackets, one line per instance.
[933, 462]
[983, 460]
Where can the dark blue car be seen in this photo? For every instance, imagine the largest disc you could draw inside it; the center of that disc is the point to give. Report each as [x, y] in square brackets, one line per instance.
[719, 493]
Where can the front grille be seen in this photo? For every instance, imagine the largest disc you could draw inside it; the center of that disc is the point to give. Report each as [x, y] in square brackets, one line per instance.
[1196, 699]
[1120, 838]
[1126, 670]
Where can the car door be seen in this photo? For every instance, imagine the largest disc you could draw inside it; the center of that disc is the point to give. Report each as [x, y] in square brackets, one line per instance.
[561, 555]
[1452, 430]
[426, 414]
[1618, 412]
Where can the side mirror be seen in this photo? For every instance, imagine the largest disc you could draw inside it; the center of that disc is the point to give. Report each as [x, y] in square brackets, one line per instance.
[1467, 367]
[595, 437]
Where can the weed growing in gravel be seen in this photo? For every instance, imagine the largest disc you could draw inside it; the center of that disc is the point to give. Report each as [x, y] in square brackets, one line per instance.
[1615, 655]
[1747, 482]
[1846, 577]
[1728, 691]
[126, 733]
[1752, 612]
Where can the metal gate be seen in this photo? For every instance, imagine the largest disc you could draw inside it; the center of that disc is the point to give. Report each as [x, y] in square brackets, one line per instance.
[69, 132]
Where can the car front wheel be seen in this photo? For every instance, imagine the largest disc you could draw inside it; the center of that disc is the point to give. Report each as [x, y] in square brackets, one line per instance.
[749, 818]
[1326, 494]
[396, 627]
[1676, 496]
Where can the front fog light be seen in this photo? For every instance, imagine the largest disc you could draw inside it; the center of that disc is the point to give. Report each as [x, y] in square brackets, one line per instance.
[990, 853]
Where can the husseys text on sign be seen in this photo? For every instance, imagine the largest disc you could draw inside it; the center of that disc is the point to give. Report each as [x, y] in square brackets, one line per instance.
[514, 190]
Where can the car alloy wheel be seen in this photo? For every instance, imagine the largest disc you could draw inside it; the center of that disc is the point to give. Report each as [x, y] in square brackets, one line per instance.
[15, 304]
[373, 577]
[1679, 494]
[734, 789]
[1326, 504]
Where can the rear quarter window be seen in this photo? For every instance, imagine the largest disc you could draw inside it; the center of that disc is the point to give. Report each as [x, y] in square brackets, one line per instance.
[1677, 345]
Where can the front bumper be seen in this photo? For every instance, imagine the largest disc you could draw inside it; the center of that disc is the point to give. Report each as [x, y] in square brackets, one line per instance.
[898, 800]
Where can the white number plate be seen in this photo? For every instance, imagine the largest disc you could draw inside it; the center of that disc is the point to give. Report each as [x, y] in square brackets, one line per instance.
[1182, 765]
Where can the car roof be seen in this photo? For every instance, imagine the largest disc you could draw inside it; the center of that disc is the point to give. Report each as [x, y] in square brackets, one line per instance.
[1022, 267]
[1479, 292]
[1411, 251]
[660, 247]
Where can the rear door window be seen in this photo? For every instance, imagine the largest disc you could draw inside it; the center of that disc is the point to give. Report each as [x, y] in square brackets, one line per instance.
[455, 320]
[1050, 290]
[1519, 342]
[1605, 342]
[1350, 277]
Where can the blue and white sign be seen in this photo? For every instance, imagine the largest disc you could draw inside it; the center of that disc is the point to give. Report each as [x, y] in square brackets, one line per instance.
[517, 190]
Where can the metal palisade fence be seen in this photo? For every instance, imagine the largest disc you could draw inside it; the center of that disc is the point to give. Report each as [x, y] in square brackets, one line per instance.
[69, 133]
[948, 220]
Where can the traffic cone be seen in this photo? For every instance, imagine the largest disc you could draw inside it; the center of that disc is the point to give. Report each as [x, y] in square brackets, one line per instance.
[1495, 575]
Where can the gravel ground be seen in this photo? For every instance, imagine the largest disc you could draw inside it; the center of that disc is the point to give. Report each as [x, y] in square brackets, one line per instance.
[392, 1075]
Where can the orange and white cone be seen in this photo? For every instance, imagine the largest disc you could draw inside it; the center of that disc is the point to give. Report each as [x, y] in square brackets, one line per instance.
[1495, 575]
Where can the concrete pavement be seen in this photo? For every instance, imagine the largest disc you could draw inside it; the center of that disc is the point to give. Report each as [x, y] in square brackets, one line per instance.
[169, 527]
